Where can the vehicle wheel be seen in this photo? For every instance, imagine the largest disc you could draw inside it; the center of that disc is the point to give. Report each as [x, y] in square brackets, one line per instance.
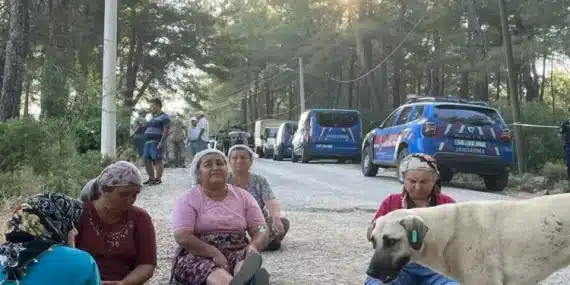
[495, 183]
[266, 154]
[403, 153]
[305, 157]
[258, 151]
[278, 155]
[446, 175]
[294, 157]
[369, 169]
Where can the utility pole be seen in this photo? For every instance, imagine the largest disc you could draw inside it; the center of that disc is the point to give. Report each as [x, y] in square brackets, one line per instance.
[109, 100]
[513, 88]
[301, 85]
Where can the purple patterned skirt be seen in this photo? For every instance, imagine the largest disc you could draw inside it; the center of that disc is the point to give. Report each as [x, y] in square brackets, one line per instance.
[188, 269]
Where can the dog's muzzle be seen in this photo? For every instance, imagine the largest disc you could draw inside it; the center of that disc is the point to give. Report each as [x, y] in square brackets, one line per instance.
[386, 269]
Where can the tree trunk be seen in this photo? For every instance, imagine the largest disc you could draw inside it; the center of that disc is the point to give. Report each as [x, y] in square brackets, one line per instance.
[16, 51]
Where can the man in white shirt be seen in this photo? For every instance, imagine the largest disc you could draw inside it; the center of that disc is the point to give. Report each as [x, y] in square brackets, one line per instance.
[193, 136]
[204, 137]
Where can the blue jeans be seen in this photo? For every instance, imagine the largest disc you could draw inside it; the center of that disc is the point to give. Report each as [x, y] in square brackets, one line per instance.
[416, 274]
[198, 146]
[152, 151]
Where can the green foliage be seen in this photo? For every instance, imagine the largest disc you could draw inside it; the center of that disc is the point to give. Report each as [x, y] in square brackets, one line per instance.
[554, 172]
[42, 155]
[542, 144]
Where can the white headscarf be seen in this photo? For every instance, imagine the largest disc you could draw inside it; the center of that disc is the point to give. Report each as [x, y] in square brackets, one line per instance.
[241, 147]
[195, 165]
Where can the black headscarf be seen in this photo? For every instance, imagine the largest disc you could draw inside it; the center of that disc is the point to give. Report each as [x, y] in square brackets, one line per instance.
[37, 224]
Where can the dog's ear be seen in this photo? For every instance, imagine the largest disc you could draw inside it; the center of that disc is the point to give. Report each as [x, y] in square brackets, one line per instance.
[416, 230]
[369, 231]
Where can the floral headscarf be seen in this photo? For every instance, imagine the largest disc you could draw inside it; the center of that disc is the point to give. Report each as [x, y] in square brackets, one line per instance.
[120, 173]
[420, 161]
[37, 224]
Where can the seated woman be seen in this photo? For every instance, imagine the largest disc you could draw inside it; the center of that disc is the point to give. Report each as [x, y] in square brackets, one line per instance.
[119, 235]
[210, 223]
[40, 238]
[422, 188]
[241, 159]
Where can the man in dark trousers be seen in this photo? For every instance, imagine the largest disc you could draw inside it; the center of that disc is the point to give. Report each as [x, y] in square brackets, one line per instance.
[564, 131]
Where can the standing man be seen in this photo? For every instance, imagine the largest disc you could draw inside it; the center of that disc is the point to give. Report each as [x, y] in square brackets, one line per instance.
[204, 138]
[564, 131]
[155, 141]
[193, 136]
[176, 137]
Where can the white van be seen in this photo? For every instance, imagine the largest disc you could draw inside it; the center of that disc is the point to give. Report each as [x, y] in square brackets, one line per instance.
[264, 136]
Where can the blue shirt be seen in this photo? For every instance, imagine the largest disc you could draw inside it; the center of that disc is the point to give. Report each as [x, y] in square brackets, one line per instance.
[155, 127]
[62, 265]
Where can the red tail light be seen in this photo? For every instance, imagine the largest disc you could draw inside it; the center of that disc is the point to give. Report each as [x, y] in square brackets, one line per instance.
[429, 129]
[506, 135]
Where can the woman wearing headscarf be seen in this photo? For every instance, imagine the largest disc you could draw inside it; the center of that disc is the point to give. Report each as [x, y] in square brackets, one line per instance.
[422, 188]
[40, 237]
[119, 235]
[210, 222]
[241, 159]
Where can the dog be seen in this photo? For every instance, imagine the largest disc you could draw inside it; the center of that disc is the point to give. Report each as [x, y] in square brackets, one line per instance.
[517, 242]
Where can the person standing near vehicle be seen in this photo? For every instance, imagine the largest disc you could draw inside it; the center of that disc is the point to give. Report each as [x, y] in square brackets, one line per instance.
[193, 136]
[204, 137]
[564, 131]
[176, 137]
[155, 141]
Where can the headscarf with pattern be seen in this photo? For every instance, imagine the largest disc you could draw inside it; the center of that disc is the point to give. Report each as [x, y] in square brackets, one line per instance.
[37, 224]
[120, 173]
[420, 161]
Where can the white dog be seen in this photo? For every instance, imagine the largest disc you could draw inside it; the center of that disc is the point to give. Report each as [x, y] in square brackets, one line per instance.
[491, 243]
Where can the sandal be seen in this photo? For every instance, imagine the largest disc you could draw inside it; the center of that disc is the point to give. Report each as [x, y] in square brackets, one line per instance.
[261, 277]
[249, 267]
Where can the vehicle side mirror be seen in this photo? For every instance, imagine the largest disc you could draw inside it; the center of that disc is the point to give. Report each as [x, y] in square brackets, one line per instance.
[375, 125]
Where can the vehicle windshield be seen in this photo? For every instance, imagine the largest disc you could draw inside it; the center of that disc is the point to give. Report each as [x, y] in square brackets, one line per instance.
[290, 128]
[474, 116]
[337, 119]
[271, 132]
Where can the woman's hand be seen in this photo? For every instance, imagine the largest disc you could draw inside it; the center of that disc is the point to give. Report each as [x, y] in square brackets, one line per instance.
[220, 259]
[277, 226]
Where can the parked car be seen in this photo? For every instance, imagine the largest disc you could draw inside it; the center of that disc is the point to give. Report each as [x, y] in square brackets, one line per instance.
[464, 137]
[283, 140]
[264, 136]
[327, 133]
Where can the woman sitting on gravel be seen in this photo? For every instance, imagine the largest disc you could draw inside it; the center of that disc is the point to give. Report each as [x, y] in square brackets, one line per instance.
[210, 223]
[241, 159]
[40, 239]
[119, 235]
[422, 188]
